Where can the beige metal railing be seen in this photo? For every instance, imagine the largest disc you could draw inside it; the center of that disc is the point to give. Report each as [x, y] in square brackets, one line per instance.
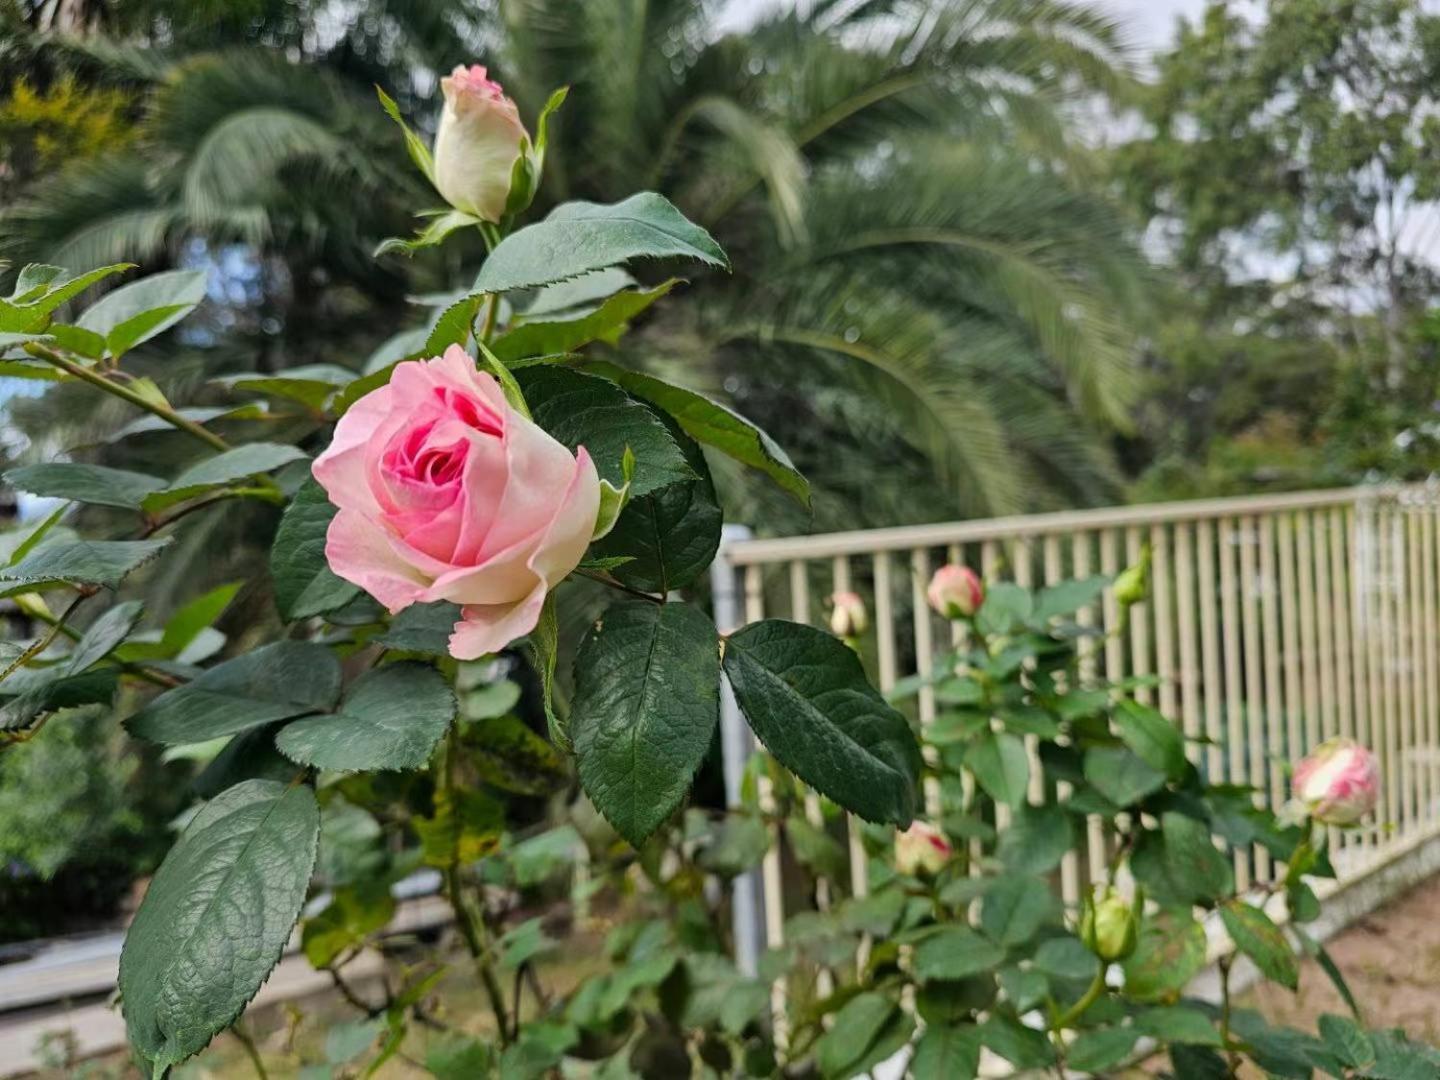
[1274, 622]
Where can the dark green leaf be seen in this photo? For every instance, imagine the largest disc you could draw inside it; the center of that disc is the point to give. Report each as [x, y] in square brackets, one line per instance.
[1001, 766]
[1016, 908]
[1067, 597]
[538, 337]
[103, 635]
[252, 459]
[1197, 870]
[251, 755]
[422, 628]
[191, 964]
[83, 562]
[647, 701]
[1066, 958]
[1261, 940]
[392, 717]
[453, 327]
[1332, 970]
[1036, 839]
[304, 583]
[1344, 1038]
[669, 536]
[142, 309]
[712, 424]
[1167, 956]
[1121, 775]
[856, 1027]
[1178, 1024]
[578, 237]
[1154, 739]
[815, 848]
[275, 682]
[1022, 1046]
[1101, 1050]
[953, 952]
[1198, 1063]
[95, 484]
[806, 697]
[583, 410]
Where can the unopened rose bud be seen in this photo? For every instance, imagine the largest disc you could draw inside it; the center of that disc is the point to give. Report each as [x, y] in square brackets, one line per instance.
[1110, 924]
[477, 144]
[1338, 782]
[955, 591]
[1132, 586]
[848, 617]
[921, 849]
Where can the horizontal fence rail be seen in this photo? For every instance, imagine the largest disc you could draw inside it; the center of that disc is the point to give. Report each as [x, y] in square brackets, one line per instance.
[1273, 623]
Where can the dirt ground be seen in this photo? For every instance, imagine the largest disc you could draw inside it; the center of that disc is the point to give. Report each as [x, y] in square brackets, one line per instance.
[1391, 959]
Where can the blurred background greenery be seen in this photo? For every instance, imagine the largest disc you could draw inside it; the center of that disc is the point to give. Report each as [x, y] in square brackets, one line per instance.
[989, 257]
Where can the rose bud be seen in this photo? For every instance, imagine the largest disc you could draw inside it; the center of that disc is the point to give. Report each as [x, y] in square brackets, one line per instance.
[1110, 924]
[955, 591]
[1132, 586]
[848, 617]
[477, 144]
[1338, 782]
[921, 850]
[445, 492]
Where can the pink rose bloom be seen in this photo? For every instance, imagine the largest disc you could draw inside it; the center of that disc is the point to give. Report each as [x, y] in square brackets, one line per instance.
[447, 493]
[955, 591]
[477, 143]
[848, 617]
[1339, 782]
[921, 849]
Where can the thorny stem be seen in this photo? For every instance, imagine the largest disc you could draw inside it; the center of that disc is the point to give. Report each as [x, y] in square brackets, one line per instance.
[169, 415]
[471, 923]
[45, 640]
[251, 1050]
[1232, 1059]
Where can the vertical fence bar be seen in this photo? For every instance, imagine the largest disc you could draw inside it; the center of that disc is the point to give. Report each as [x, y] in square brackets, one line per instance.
[1254, 770]
[1024, 576]
[1291, 637]
[1324, 635]
[859, 874]
[1139, 621]
[1070, 861]
[1432, 662]
[1164, 582]
[1413, 661]
[1340, 624]
[1190, 718]
[1385, 535]
[1210, 650]
[1234, 684]
[1274, 699]
[1305, 579]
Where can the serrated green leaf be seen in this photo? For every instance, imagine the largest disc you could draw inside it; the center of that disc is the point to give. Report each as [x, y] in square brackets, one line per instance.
[312, 385]
[1100, 1050]
[1178, 1024]
[304, 583]
[103, 563]
[606, 323]
[713, 424]
[955, 952]
[577, 237]
[1066, 958]
[422, 628]
[95, 484]
[647, 701]
[806, 697]
[1016, 908]
[857, 1025]
[1036, 839]
[137, 312]
[453, 327]
[1001, 766]
[251, 459]
[432, 233]
[1197, 870]
[670, 536]
[1121, 775]
[1260, 939]
[392, 717]
[33, 315]
[353, 914]
[275, 682]
[1153, 738]
[585, 410]
[947, 1052]
[1067, 597]
[190, 964]
[1166, 957]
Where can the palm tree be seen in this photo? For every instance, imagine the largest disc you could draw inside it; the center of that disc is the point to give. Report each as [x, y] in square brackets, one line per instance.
[931, 293]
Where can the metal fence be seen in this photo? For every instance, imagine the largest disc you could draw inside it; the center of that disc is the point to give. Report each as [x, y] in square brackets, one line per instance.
[1273, 623]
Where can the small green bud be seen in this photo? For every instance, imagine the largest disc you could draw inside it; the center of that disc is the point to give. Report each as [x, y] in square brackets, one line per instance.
[1133, 584]
[1110, 924]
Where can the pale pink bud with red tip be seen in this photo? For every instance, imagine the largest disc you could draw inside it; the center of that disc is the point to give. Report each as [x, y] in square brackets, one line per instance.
[1338, 782]
[955, 591]
[477, 144]
[921, 849]
[848, 617]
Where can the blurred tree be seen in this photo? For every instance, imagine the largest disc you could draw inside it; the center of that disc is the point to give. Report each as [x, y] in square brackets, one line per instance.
[897, 178]
[1288, 165]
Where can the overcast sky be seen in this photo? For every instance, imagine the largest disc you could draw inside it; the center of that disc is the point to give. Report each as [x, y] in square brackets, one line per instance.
[1151, 23]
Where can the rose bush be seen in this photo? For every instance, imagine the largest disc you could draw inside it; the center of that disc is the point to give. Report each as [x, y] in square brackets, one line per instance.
[360, 720]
